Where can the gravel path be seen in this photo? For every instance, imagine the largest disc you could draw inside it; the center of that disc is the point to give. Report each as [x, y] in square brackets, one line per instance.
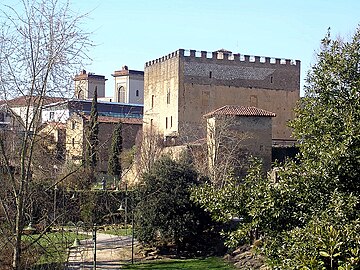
[111, 252]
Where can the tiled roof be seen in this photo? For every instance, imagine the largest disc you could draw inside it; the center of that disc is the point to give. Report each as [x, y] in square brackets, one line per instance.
[236, 110]
[125, 120]
[26, 100]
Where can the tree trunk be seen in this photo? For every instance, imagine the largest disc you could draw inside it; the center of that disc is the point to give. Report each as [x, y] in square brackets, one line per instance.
[18, 233]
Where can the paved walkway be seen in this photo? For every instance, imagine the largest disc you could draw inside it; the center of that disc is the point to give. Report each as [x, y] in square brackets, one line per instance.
[111, 252]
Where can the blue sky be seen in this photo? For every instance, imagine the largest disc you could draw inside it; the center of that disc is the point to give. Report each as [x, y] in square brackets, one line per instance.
[132, 32]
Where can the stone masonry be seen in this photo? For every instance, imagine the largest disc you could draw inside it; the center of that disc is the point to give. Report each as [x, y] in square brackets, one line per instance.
[184, 85]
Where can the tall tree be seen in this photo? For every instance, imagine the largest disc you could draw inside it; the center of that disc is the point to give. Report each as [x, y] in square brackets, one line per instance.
[309, 214]
[165, 214]
[114, 166]
[328, 116]
[92, 137]
[41, 47]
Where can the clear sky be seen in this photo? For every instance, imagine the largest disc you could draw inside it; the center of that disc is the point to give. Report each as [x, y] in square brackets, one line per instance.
[132, 32]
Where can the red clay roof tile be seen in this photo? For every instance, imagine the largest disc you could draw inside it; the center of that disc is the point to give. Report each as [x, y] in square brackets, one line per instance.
[236, 110]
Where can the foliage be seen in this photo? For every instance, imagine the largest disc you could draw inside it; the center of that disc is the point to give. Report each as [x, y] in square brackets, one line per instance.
[41, 47]
[327, 117]
[114, 166]
[307, 215]
[164, 214]
[207, 263]
[92, 141]
[128, 157]
[74, 177]
[329, 240]
[115, 229]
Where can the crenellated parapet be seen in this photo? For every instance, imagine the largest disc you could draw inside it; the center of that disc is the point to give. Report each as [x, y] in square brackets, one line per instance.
[225, 56]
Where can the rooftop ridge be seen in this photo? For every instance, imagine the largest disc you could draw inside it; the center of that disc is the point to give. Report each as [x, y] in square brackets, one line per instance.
[225, 56]
[237, 110]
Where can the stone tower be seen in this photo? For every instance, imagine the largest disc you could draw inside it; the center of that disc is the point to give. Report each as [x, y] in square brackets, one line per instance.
[129, 86]
[85, 84]
[183, 86]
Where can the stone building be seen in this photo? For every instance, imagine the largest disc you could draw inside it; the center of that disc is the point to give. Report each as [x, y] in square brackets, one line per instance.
[184, 85]
[233, 131]
[86, 83]
[9, 121]
[129, 86]
[76, 137]
[26, 106]
[74, 114]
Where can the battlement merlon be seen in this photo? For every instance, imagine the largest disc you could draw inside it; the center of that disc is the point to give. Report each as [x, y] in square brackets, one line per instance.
[224, 55]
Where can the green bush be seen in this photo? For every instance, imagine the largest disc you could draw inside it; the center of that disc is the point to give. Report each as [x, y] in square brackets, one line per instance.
[165, 215]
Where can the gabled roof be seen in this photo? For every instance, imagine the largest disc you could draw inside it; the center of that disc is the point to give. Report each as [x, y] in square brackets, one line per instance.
[30, 100]
[235, 110]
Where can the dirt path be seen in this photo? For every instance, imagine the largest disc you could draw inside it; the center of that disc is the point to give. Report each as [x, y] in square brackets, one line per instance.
[111, 252]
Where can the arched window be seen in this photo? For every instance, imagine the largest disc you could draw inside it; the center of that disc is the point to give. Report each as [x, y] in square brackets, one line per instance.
[121, 94]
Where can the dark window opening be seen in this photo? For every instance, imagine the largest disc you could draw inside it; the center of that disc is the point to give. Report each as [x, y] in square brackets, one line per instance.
[137, 93]
[168, 96]
[210, 74]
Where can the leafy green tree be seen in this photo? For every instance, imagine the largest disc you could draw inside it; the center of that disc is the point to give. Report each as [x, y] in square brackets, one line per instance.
[92, 136]
[327, 128]
[114, 165]
[308, 215]
[328, 115]
[165, 215]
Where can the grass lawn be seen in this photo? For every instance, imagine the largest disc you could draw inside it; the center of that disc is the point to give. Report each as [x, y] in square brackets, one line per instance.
[52, 247]
[207, 263]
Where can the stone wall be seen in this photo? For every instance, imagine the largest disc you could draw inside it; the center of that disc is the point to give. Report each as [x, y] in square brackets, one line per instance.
[251, 134]
[161, 96]
[75, 139]
[200, 82]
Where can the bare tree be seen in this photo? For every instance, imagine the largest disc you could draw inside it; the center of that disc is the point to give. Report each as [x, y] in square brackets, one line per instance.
[221, 151]
[150, 148]
[227, 153]
[41, 47]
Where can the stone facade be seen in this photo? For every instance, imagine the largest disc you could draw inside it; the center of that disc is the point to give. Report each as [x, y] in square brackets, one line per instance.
[183, 86]
[86, 83]
[235, 129]
[129, 86]
[76, 132]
